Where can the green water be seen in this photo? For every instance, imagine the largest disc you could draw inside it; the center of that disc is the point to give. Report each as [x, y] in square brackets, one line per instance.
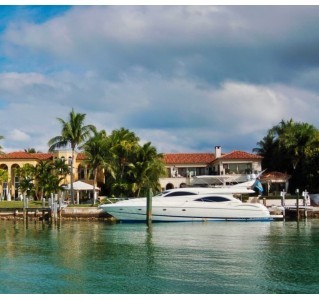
[184, 258]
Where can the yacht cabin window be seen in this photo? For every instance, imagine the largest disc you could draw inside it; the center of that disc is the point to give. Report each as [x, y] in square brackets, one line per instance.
[174, 194]
[213, 199]
[179, 193]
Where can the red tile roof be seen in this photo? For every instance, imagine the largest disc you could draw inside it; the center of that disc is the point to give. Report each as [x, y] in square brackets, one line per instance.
[274, 176]
[188, 158]
[169, 158]
[205, 158]
[40, 156]
[26, 155]
[240, 155]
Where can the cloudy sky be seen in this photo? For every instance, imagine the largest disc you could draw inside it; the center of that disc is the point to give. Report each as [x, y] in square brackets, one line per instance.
[186, 78]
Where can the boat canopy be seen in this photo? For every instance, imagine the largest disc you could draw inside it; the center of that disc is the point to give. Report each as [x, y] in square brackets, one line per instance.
[218, 180]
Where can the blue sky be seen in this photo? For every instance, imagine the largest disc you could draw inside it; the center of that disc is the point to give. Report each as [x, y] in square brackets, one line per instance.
[186, 78]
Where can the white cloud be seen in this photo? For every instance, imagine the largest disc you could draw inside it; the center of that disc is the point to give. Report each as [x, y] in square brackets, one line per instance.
[19, 135]
[175, 115]
[172, 74]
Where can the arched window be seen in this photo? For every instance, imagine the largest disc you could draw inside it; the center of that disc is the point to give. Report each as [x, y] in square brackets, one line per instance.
[81, 172]
[169, 186]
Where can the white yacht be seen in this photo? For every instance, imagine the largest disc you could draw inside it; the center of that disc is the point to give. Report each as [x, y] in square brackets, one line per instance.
[191, 204]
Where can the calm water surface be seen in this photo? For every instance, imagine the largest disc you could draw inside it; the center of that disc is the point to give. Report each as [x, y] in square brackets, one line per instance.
[185, 258]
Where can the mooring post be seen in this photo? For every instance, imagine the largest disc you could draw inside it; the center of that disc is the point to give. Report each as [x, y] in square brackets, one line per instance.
[55, 207]
[60, 206]
[149, 206]
[305, 196]
[282, 194]
[24, 206]
[297, 191]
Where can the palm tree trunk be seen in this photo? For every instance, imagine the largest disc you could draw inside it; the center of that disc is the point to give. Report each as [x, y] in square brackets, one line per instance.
[72, 178]
[94, 182]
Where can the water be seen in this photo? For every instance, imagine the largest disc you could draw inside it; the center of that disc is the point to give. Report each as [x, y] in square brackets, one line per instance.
[180, 258]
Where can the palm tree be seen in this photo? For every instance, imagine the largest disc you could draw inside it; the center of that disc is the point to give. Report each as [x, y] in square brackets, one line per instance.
[268, 149]
[146, 168]
[31, 150]
[42, 171]
[74, 133]
[295, 138]
[122, 144]
[291, 147]
[95, 152]
[27, 175]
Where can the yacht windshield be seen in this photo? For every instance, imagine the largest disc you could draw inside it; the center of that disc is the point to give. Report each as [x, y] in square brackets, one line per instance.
[175, 193]
[162, 194]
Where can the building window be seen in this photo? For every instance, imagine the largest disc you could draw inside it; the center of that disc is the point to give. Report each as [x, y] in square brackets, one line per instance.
[240, 168]
[81, 173]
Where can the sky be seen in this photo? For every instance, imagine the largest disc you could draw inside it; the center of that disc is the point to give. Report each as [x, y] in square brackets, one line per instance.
[186, 78]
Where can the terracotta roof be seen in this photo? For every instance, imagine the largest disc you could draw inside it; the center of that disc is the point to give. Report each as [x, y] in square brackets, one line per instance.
[275, 176]
[240, 155]
[188, 158]
[26, 155]
[80, 156]
[169, 158]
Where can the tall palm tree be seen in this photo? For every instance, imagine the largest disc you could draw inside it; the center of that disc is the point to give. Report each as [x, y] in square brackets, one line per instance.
[268, 148]
[122, 144]
[42, 171]
[294, 138]
[146, 169]
[95, 149]
[74, 133]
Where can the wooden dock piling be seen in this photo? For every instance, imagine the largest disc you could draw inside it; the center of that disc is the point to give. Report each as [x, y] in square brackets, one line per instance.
[297, 191]
[149, 207]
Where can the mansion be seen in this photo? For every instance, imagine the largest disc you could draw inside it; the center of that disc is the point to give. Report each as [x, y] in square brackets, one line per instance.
[181, 167]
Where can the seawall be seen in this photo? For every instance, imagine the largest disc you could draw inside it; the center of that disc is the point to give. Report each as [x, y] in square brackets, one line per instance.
[95, 213]
[78, 213]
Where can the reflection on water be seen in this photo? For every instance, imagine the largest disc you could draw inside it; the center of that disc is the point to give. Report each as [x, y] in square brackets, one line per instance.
[204, 258]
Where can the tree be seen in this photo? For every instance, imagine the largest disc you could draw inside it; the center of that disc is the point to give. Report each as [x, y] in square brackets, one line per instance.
[31, 150]
[49, 177]
[42, 179]
[95, 150]
[146, 168]
[122, 144]
[3, 176]
[74, 133]
[268, 149]
[131, 168]
[289, 147]
[26, 182]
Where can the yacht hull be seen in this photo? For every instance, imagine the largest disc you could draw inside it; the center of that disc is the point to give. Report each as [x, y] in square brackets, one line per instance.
[189, 213]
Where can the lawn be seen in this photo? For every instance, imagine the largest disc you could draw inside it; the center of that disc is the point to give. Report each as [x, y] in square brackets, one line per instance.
[19, 204]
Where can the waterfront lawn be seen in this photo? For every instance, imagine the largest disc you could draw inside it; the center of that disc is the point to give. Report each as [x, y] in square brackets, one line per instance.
[19, 204]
